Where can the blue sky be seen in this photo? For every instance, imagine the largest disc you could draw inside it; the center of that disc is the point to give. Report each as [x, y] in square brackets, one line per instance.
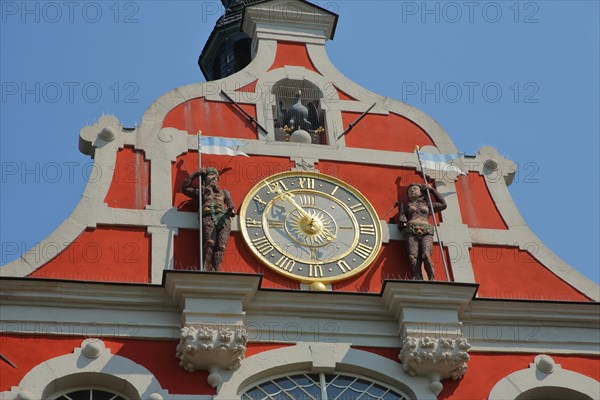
[520, 76]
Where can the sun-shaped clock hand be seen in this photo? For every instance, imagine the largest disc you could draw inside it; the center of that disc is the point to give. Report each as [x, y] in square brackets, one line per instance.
[310, 224]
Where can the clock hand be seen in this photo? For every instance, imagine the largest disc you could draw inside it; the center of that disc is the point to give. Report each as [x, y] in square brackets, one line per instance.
[328, 235]
[289, 197]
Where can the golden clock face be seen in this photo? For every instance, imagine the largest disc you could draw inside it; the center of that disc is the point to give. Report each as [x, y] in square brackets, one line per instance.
[310, 226]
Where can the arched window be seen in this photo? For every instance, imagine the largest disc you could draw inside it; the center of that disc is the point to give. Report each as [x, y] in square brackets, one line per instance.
[90, 372]
[552, 393]
[545, 380]
[88, 394]
[321, 371]
[298, 107]
[322, 386]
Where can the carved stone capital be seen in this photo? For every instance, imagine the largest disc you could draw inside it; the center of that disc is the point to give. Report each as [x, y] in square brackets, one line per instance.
[435, 358]
[213, 348]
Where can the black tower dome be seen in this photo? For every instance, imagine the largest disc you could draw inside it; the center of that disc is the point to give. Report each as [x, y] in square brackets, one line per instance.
[227, 50]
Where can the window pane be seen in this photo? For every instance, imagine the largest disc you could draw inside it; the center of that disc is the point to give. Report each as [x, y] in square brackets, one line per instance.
[80, 395]
[285, 383]
[308, 387]
[101, 395]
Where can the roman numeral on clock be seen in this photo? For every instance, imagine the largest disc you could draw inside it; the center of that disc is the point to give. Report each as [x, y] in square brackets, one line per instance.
[275, 224]
[357, 207]
[344, 266]
[252, 223]
[315, 271]
[306, 183]
[362, 250]
[367, 230]
[286, 264]
[263, 245]
[307, 200]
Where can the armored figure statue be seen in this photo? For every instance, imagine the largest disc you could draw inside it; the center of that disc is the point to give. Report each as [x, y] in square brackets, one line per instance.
[217, 210]
[413, 218]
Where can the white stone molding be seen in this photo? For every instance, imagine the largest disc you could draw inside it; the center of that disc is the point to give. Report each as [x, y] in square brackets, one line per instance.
[161, 251]
[212, 348]
[546, 379]
[435, 358]
[321, 357]
[433, 309]
[90, 364]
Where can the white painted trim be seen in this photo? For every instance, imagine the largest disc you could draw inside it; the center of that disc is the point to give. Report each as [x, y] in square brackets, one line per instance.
[520, 382]
[155, 312]
[132, 379]
[321, 357]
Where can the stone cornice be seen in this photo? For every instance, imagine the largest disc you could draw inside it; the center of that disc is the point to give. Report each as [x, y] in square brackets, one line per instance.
[404, 308]
[552, 312]
[180, 284]
[439, 295]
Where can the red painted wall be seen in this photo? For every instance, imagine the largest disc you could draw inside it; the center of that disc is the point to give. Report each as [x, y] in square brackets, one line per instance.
[212, 118]
[249, 88]
[104, 254]
[509, 273]
[158, 356]
[130, 186]
[385, 132]
[392, 263]
[294, 54]
[486, 369]
[477, 208]
[237, 259]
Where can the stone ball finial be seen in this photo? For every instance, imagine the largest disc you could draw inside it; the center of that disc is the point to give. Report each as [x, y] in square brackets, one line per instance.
[301, 136]
[215, 378]
[545, 363]
[491, 164]
[109, 133]
[92, 348]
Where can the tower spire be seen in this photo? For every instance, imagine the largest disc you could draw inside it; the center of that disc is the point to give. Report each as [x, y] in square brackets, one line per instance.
[227, 50]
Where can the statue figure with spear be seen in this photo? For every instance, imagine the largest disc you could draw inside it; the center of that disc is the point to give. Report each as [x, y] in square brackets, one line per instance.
[216, 209]
[413, 217]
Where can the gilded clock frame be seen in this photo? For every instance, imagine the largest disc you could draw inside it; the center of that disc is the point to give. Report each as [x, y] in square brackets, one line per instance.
[317, 176]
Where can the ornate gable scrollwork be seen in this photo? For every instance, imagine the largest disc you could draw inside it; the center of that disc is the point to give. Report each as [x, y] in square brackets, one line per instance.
[212, 348]
[436, 359]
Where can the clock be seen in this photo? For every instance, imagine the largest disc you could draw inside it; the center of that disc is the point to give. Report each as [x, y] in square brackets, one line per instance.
[310, 227]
